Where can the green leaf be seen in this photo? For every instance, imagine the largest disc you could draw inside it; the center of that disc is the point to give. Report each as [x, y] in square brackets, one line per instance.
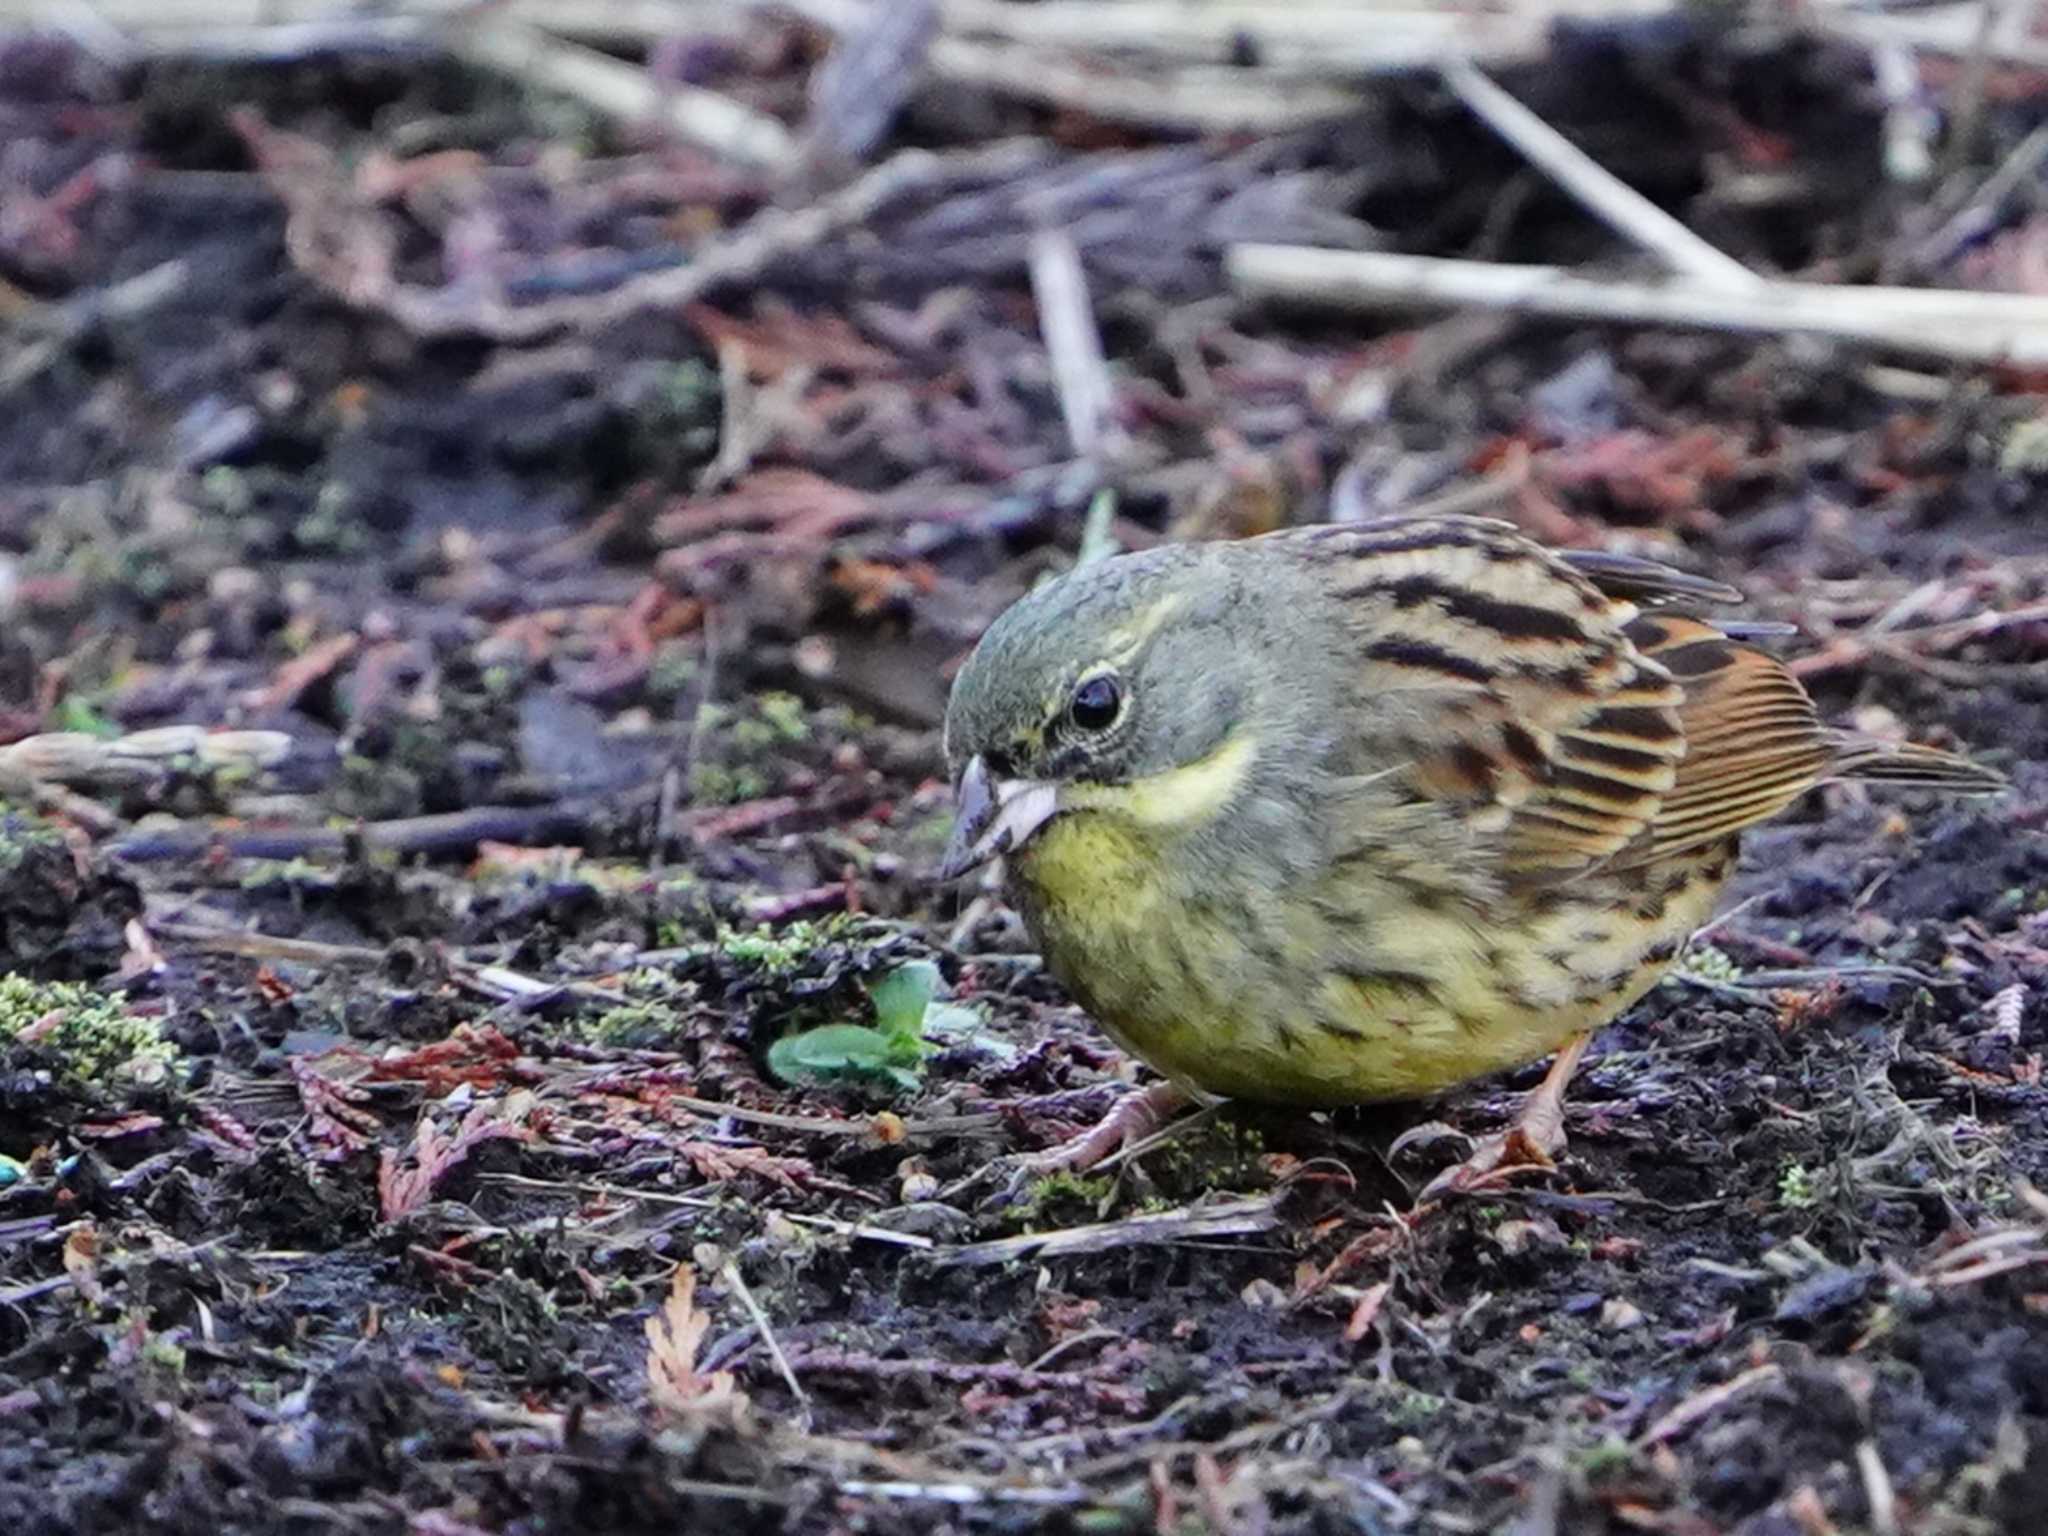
[901, 998]
[831, 1051]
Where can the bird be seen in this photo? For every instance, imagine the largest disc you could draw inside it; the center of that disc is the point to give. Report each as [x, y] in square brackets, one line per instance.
[1360, 812]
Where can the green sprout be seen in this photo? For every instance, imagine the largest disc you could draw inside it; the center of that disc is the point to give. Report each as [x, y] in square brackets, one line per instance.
[889, 1052]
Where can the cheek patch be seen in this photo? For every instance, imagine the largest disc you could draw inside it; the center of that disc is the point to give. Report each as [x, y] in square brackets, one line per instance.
[1179, 797]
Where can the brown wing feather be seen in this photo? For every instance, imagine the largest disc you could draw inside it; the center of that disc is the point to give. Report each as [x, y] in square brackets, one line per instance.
[1754, 742]
[1545, 722]
[1576, 728]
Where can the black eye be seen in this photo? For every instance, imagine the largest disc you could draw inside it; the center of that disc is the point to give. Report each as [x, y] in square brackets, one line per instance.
[1096, 703]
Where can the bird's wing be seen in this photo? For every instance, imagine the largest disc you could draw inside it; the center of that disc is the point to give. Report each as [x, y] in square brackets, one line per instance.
[1571, 711]
[1753, 741]
[1507, 683]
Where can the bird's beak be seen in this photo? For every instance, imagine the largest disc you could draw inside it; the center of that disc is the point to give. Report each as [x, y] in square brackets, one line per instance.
[993, 817]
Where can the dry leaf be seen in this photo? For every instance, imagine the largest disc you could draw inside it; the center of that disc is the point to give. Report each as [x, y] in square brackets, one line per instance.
[674, 1335]
[1366, 1313]
[82, 1262]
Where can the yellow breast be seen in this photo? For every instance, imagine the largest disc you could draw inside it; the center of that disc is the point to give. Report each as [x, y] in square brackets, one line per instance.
[1261, 995]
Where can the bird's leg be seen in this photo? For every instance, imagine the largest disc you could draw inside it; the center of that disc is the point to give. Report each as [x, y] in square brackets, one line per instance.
[1136, 1116]
[1533, 1141]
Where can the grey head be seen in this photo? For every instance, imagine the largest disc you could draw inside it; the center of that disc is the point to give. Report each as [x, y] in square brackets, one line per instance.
[1112, 673]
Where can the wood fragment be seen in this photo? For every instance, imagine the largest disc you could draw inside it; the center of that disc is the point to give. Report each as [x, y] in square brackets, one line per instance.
[1960, 326]
[1231, 1218]
[858, 90]
[1066, 319]
[1704, 1404]
[624, 91]
[738, 1284]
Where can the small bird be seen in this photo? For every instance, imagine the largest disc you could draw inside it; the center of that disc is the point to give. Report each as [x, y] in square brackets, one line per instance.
[1360, 812]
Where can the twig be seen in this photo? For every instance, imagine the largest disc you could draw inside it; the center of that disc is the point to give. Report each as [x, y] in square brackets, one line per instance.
[608, 1191]
[1853, 649]
[1703, 1404]
[768, 237]
[1958, 31]
[1067, 321]
[858, 1229]
[999, 1373]
[65, 323]
[75, 758]
[737, 1281]
[1233, 1218]
[1909, 122]
[963, 1493]
[1970, 327]
[1978, 211]
[1967, 115]
[269, 41]
[264, 946]
[858, 90]
[452, 834]
[1618, 205]
[1878, 1492]
[623, 91]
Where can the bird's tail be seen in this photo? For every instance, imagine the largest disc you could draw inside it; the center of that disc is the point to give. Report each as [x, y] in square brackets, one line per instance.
[1871, 761]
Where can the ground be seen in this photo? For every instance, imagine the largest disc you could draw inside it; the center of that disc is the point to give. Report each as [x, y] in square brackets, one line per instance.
[389, 1140]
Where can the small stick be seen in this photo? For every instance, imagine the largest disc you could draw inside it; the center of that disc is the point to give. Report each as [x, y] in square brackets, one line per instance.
[737, 1281]
[1967, 115]
[1702, 1404]
[858, 90]
[1909, 123]
[624, 91]
[1967, 327]
[1233, 1218]
[1607, 197]
[1067, 321]
[2017, 169]
[1877, 1490]
[860, 1229]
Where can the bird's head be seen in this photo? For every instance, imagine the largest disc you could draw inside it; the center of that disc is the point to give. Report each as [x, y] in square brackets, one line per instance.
[1124, 688]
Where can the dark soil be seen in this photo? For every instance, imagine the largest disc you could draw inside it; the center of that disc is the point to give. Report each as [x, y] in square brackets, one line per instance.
[573, 711]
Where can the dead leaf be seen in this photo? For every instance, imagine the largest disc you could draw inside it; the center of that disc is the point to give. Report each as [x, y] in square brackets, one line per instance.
[82, 1262]
[1367, 1312]
[675, 1334]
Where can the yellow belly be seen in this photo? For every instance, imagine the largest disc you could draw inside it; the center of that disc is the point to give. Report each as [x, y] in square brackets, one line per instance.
[1264, 997]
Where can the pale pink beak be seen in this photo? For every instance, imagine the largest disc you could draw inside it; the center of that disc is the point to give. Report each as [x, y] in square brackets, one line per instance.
[994, 817]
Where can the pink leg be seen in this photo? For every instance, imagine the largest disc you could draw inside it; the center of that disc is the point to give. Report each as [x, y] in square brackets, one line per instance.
[1135, 1117]
[1533, 1141]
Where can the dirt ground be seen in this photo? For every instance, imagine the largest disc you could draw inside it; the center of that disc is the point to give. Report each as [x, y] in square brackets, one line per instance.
[609, 659]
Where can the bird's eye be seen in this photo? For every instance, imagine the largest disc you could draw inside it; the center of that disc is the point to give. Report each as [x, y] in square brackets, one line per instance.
[1096, 704]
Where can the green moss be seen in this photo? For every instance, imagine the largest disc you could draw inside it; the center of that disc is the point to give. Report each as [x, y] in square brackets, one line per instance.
[1710, 964]
[1795, 1188]
[1064, 1189]
[21, 832]
[654, 1012]
[781, 950]
[95, 1039]
[716, 784]
[1609, 1458]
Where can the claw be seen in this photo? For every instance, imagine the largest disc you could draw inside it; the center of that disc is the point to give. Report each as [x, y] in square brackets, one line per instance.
[1533, 1141]
[1135, 1117]
[1495, 1159]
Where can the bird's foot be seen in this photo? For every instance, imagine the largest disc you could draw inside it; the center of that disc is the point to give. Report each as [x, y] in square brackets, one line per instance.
[1531, 1143]
[1135, 1117]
